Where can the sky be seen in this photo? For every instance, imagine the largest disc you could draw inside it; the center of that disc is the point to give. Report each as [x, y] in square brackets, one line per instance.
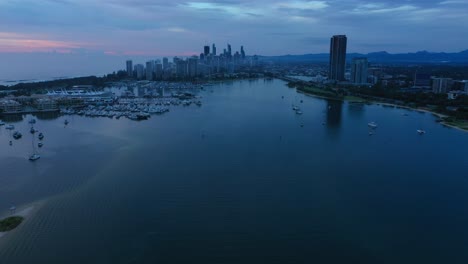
[86, 30]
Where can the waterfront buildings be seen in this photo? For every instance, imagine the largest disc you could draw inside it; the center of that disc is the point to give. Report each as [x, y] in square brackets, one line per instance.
[208, 63]
[139, 70]
[149, 70]
[359, 68]
[337, 58]
[441, 85]
[165, 64]
[10, 106]
[46, 104]
[130, 68]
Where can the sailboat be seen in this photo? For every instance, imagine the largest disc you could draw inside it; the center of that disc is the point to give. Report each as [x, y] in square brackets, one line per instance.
[34, 156]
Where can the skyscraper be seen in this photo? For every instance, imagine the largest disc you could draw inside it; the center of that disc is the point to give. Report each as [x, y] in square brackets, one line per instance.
[165, 63]
[149, 70]
[213, 49]
[139, 69]
[337, 58]
[207, 51]
[229, 51]
[242, 52]
[130, 68]
[359, 70]
[192, 66]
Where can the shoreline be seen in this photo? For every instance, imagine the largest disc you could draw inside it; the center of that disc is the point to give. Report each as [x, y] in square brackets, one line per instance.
[439, 115]
[25, 211]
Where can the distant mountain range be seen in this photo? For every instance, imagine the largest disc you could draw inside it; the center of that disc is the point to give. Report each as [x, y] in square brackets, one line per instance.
[382, 57]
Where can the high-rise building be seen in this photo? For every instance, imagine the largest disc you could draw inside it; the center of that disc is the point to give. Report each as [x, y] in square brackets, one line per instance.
[441, 85]
[149, 70]
[165, 63]
[181, 68]
[213, 49]
[139, 69]
[229, 51]
[242, 52]
[192, 66]
[337, 58]
[359, 70]
[130, 68]
[158, 70]
[206, 51]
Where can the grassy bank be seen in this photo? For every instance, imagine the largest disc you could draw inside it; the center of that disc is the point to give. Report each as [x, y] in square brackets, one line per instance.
[331, 94]
[10, 223]
[451, 121]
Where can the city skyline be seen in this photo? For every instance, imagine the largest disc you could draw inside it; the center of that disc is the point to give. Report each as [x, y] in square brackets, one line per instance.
[157, 28]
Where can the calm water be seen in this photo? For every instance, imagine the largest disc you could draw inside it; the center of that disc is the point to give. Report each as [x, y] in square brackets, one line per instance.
[238, 180]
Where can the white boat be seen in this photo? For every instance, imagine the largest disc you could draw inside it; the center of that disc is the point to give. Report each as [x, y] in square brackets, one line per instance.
[66, 122]
[10, 127]
[299, 112]
[421, 132]
[32, 130]
[40, 144]
[41, 136]
[372, 125]
[34, 157]
[295, 108]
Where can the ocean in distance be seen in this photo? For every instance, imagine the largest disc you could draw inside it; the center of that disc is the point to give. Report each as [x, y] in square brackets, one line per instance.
[241, 179]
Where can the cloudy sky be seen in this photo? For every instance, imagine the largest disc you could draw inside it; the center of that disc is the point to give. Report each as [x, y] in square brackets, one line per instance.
[268, 27]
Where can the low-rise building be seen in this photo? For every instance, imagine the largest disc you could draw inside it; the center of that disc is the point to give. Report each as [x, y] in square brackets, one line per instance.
[10, 106]
[45, 104]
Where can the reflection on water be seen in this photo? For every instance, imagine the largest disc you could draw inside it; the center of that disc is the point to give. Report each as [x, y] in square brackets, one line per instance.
[334, 112]
[356, 110]
[12, 118]
[47, 115]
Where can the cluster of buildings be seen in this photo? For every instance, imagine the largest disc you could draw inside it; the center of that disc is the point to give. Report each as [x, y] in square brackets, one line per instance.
[209, 62]
[337, 67]
[28, 104]
[361, 74]
[440, 85]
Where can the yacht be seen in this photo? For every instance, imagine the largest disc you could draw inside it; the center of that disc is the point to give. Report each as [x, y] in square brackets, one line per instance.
[34, 157]
[17, 135]
[372, 125]
[66, 122]
[295, 108]
[299, 112]
[421, 132]
[41, 136]
[40, 144]
[10, 127]
[32, 130]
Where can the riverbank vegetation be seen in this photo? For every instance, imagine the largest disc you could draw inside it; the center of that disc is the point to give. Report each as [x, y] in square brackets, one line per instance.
[456, 110]
[10, 223]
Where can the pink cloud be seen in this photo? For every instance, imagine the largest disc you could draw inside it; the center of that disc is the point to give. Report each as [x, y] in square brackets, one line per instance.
[13, 42]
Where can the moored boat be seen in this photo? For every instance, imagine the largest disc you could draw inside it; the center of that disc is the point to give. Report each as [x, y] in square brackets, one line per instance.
[34, 157]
